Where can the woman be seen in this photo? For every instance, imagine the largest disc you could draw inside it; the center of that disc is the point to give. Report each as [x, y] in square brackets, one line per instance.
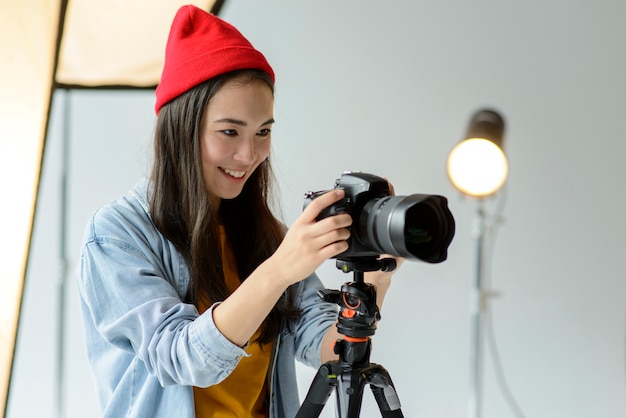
[195, 298]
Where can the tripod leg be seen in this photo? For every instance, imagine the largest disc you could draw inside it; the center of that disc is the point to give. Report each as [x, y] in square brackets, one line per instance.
[384, 392]
[349, 393]
[323, 384]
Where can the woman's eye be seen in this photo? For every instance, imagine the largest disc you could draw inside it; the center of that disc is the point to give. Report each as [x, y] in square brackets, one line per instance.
[264, 132]
[229, 132]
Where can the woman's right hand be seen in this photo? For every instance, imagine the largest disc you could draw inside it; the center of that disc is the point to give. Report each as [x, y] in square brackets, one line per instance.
[306, 245]
[308, 242]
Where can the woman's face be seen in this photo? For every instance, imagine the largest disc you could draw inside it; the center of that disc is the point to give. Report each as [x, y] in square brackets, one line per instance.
[235, 136]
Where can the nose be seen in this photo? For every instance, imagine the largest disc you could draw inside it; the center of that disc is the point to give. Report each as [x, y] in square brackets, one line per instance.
[246, 151]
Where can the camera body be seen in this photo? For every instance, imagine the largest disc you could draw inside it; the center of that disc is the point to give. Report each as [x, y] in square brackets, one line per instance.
[415, 226]
[359, 189]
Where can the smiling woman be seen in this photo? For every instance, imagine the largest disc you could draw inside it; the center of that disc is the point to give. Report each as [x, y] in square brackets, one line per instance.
[166, 270]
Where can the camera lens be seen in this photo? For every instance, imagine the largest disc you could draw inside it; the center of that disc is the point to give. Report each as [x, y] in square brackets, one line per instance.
[415, 226]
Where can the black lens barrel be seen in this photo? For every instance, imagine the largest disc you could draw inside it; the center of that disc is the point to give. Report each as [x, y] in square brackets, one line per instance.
[417, 226]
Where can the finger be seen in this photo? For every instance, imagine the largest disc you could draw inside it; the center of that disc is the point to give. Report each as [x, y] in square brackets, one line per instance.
[331, 236]
[343, 220]
[333, 249]
[392, 191]
[332, 242]
[312, 211]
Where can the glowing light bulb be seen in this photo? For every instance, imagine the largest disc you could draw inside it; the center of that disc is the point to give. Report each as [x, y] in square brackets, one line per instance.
[477, 167]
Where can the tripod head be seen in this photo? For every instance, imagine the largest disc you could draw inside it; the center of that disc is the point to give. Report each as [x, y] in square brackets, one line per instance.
[358, 312]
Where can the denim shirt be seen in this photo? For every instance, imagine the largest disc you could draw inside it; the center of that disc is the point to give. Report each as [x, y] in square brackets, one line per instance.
[146, 347]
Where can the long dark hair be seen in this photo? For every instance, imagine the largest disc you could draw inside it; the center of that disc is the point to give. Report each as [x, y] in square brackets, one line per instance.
[182, 211]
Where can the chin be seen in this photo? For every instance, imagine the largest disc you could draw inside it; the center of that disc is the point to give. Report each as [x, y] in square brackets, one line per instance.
[231, 195]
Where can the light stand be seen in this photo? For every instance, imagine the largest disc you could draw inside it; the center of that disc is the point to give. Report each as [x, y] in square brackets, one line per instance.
[478, 167]
[477, 311]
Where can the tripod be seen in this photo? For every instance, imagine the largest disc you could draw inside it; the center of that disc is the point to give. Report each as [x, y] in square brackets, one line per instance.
[357, 320]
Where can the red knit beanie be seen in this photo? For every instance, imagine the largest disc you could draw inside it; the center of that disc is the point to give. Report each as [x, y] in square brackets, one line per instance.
[201, 46]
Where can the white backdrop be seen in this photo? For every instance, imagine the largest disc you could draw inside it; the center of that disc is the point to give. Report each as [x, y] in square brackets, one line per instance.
[388, 88]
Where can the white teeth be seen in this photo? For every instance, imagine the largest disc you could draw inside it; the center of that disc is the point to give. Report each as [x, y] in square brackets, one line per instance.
[236, 174]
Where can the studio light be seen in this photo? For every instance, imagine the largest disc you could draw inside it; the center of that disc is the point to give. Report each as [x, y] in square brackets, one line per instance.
[477, 166]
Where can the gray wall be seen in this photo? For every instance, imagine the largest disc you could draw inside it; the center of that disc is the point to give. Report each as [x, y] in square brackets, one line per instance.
[388, 88]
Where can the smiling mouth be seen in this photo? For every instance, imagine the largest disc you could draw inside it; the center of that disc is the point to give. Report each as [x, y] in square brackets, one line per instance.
[233, 173]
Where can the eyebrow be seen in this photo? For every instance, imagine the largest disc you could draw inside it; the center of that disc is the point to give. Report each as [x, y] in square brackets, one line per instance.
[240, 122]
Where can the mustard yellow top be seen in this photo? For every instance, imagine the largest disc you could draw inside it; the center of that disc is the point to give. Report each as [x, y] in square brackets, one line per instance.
[243, 392]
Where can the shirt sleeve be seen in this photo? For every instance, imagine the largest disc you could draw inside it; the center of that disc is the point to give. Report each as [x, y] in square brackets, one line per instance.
[317, 317]
[135, 308]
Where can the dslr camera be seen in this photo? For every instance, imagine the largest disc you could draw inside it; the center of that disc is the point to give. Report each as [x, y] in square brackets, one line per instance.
[417, 227]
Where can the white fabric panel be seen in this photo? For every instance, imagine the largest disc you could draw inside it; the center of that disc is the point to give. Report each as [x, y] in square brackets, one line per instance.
[116, 42]
[27, 41]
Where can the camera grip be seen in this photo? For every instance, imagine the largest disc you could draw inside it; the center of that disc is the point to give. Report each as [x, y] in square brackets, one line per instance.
[341, 206]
